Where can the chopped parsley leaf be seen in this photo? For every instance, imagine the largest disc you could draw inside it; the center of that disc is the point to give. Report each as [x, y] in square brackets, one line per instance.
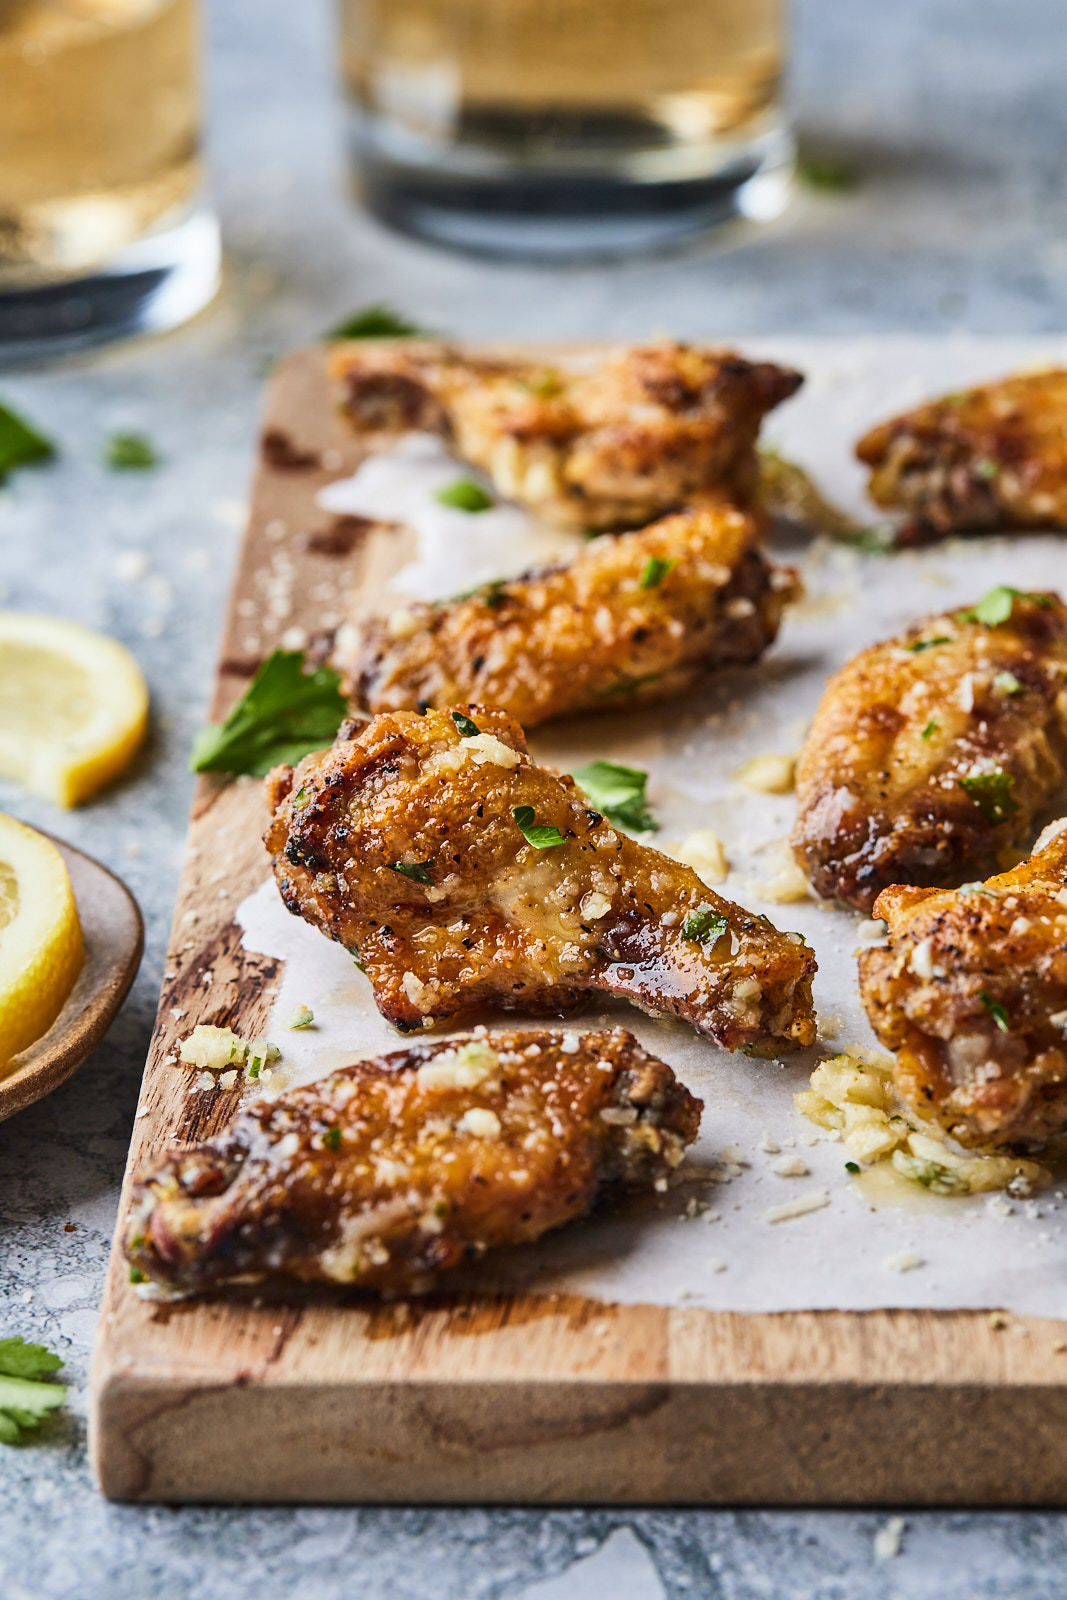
[130, 452]
[353, 950]
[996, 606]
[466, 727]
[377, 322]
[705, 925]
[20, 443]
[930, 729]
[1007, 683]
[417, 871]
[655, 571]
[991, 793]
[284, 714]
[619, 792]
[852, 1166]
[826, 175]
[545, 385]
[464, 495]
[996, 1010]
[928, 644]
[986, 469]
[331, 1139]
[542, 835]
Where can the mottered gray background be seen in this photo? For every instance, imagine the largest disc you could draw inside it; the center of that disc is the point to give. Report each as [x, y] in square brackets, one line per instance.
[954, 114]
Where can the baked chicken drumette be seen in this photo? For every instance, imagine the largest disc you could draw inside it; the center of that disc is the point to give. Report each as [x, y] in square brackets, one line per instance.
[934, 751]
[598, 442]
[971, 994]
[461, 874]
[390, 1171]
[637, 617]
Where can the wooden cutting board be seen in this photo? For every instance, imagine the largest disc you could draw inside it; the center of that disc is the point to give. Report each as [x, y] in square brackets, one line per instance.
[497, 1398]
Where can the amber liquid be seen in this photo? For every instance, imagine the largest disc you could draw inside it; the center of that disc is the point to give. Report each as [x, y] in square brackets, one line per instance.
[99, 124]
[568, 80]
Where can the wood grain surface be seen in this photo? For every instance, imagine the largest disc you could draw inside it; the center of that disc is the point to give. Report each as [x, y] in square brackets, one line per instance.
[514, 1398]
[114, 942]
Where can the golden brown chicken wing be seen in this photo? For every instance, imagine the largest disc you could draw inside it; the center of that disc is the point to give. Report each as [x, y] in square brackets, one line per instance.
[392, 1170]
[971, 992]
[606, 443]
[932, 752]
[630, 618]
[994, 457]
[461, 874]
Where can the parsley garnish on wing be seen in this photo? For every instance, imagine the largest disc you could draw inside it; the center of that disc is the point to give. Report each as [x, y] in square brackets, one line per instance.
[129, 452]
[930, 729]
[996, 1010]
[377, 322]
[991, 793]
[24, 1400]
[20, 443]
[464, 495]
[542, 835]
[655, 571]
[465, 726]
[704, 925]
[927, 644]
[996, 606]
[619, 792]
[417, 871]
[284, 714]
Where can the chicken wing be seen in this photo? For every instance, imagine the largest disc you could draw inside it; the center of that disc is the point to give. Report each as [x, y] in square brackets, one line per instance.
[393, 1170]
[461, 874]
[631, 618]
[603, 444]
[932, 752]
[994, 457]
[971, 992]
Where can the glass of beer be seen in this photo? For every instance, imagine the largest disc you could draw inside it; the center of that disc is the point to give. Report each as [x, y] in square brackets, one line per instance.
[103, 228]
[567, 128]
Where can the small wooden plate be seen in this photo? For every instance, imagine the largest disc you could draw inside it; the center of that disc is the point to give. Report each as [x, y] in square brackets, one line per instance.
[114, 943]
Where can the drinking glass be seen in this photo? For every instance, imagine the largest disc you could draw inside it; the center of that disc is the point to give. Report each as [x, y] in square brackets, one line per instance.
[560, 128]
[103, 228]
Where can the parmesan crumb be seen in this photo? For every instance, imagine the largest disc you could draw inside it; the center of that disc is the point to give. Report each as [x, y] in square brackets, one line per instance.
[888, 1539]
[790, 1167]
[904, 1261]
[770, 774]
[813, 1200]
[481, 1122]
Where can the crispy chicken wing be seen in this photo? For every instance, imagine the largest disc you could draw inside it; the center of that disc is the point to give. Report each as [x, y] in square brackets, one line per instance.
[604, 444]
[465, 875]
[634, 617]
[971, 992]
[932, 752]
[390, 1171]
[991, 457]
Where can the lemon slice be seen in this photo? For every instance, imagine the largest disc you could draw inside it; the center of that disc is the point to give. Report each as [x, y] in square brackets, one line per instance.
[73, 706]
[41, 949]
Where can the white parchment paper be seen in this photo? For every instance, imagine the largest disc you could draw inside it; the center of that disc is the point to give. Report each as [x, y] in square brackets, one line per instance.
[707, 1242]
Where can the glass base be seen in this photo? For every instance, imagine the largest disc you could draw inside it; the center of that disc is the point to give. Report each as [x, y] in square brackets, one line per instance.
[565, 216]
[153, 286]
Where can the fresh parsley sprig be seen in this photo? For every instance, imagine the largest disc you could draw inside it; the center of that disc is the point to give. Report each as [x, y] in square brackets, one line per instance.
[656, 569]
[996, 606]
[417, 871]
[285, 713]
[130, 452]
[619, 792]
[464, 495]
[24, 1399]
[704, 925]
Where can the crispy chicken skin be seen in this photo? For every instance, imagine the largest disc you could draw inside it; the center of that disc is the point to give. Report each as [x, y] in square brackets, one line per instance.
[605, 444]
[501, 921]
[971, 992]
[390, 1171]
[879, 796]
[630, 618]
[994, 457]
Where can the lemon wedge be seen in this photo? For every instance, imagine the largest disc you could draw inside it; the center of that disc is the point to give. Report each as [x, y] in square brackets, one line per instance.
[41, 949]
[73, 706]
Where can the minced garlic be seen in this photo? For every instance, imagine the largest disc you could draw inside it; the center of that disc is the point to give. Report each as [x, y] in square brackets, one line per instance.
[770, 774]
[703, 851]
[787, 883]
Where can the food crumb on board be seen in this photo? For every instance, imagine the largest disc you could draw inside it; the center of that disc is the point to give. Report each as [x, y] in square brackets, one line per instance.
[716, 1264]
[769, 1146]
[997, 1321]
[793, 1166]
[813, 1200]
[889, 1538]
[904, 1261]
[770, 774]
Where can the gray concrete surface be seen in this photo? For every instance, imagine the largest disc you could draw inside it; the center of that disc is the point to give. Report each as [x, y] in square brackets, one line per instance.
[955, 114]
